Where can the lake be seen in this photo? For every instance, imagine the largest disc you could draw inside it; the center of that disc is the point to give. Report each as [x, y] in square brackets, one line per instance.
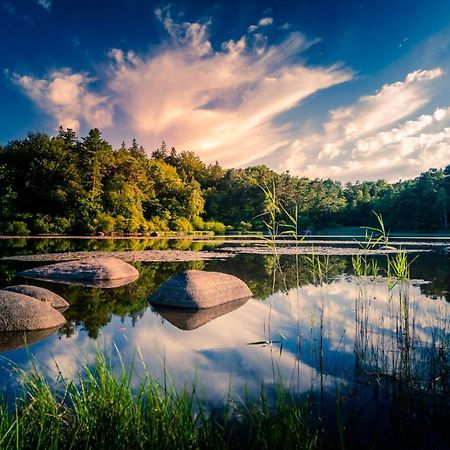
[367, 348]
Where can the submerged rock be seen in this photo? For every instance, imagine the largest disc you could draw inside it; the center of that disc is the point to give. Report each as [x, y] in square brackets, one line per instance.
[186, 319]
[19, 312]
[13, 340]
[89, 271]
[101, 284]
[42, 294]
[195, 289]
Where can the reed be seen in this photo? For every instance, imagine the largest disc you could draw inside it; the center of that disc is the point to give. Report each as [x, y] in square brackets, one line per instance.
[101, 410]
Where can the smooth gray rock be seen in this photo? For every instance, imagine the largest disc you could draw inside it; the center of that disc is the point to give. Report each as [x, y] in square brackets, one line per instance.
[187, 320]
[195, 289]
[102, 284]
[91, 271]
[42, 294]
[13, 340]
[20, 312]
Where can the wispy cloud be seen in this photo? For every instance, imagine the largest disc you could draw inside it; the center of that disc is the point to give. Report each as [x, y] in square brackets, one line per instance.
[46, 4]
[220, 102]
[372, 139]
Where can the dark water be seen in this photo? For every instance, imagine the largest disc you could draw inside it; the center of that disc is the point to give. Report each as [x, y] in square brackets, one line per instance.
[358, 344]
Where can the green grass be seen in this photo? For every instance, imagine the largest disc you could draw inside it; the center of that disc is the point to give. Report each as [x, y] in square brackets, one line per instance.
[101, 410]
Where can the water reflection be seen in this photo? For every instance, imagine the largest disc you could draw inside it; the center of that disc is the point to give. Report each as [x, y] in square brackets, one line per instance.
[28, 246]
[328, 335]
[192, 319]
[14, 340]
[360, 333]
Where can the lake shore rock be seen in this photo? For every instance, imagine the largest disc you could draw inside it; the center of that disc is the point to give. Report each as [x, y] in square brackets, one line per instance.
[42, 294]
[196, 289]
[85, 270]
[19, 312]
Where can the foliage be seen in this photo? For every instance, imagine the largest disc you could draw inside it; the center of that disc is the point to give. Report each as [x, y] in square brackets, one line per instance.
[67, 184]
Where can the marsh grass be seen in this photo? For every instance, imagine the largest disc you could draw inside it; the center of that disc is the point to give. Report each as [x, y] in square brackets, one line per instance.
[407, 377]
[102, 410]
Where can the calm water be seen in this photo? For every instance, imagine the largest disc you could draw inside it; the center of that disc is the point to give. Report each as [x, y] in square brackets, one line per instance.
[340, 337]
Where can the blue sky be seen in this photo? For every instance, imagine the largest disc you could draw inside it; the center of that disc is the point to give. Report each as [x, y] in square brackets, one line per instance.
[348, 90]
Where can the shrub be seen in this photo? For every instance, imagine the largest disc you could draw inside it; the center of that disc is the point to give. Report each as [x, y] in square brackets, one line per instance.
[106, 223]
[216, 227]
[18, 227]
[43, 224]
[62, 225]
[121, 223]
[198, 223]
[157, 224]
[182, 224]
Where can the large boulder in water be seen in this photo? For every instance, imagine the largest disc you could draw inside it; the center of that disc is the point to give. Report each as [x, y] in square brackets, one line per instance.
[195, 289]
[90, 271]
[42, 294]
[20, 312]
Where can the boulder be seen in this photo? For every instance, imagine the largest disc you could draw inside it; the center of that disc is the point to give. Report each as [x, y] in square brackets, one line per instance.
[42, 294]
[89, 271]
[190, 319]
[13, 340]
[196, 289]
[100, 284]
[19, 312]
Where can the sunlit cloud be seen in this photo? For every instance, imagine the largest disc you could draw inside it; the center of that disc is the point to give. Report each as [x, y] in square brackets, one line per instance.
[66, 96]
[265, 21]
[372, 138]
[223, 102]
[219, 102]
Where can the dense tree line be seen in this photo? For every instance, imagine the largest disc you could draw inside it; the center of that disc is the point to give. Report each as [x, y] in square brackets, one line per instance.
[67, 184]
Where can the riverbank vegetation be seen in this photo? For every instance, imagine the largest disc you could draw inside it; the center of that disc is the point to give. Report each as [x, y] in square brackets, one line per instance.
[101, 409]
[67, 184]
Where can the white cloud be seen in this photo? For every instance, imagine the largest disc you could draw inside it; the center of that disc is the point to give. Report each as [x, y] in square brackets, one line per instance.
[220, 103]
[223, 104]
[371, 138]
[265, 21]
[65, 96]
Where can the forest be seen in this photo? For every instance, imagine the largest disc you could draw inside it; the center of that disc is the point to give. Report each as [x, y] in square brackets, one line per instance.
[67, 184]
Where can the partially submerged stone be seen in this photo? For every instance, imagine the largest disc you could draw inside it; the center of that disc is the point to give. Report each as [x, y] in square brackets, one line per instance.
[196, 289]
[89, 271]
[190, 319]
[13, 340]
[42, 294]
[19, 312]
[101, 284]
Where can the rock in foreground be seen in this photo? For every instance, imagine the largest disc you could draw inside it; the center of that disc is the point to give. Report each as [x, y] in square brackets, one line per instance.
[195, 289]
[20, 312]
[42, 294]
[91, 270]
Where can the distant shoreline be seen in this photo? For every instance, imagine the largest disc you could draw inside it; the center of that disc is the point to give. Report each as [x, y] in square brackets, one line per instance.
[243, 237]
